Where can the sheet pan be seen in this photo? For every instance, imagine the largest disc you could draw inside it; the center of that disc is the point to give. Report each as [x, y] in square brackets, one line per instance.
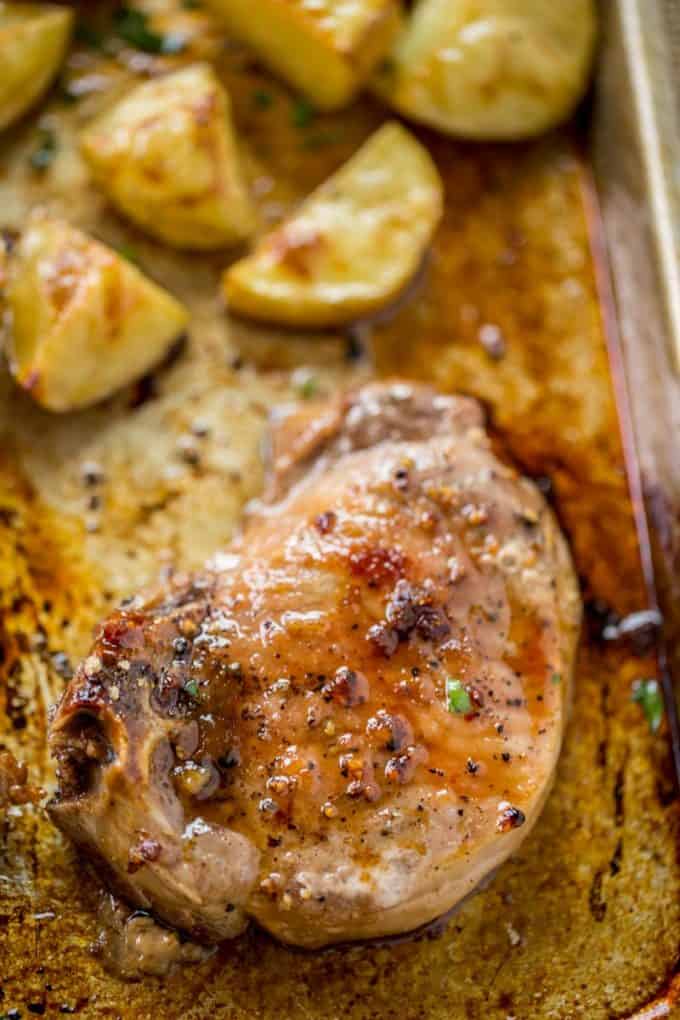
[555, 246]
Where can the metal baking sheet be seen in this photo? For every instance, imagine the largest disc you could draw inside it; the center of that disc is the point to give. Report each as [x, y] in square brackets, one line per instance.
[585, 921]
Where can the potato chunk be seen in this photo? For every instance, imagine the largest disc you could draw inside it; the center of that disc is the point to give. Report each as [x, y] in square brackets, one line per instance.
[326, 49]
[352, 245]
[33, 40]
[499, 69]
[166, 156]
[82, 321]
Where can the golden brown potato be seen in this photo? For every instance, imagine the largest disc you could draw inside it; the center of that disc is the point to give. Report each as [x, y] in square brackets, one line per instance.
[166, 156]
[326, 49]
[497, 69]
[82, 321]
[33, 40]
[352, 245]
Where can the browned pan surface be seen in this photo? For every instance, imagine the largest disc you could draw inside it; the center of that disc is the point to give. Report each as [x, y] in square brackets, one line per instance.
[585, 922]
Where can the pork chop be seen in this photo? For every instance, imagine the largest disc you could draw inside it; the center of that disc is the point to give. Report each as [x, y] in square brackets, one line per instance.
[351, 716]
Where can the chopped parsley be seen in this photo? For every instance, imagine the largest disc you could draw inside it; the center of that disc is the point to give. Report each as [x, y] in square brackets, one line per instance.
[262, 99]
[191, 688]
[308, 388]
[647, 694]
[302, 113]
[556, 678]
[129, 253]
[45, 151]
[133, 27]
[458, 700]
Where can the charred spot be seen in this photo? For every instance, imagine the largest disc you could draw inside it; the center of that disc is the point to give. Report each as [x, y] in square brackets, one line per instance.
[377, 564]
[347, 688]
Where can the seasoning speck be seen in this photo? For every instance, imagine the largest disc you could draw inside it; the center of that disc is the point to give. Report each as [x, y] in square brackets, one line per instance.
[509, 817]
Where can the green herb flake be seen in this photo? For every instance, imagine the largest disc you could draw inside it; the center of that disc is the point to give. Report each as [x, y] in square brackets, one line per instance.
[302, 113]
[556, 678]
[457, 698]
[191, 688]
[129, 253]
[308, 388]
[648, 695]
[133, 27]
[262, 99]
[43, 155]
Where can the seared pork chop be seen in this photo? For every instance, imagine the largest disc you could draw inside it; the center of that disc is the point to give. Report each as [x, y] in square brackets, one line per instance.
[353, 715]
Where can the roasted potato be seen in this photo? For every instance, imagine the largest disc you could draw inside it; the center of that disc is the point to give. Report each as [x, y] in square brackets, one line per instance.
[326, 49]
[352, 245]
[166, 156]
[81, 320]
[33, 40]
[495, 69]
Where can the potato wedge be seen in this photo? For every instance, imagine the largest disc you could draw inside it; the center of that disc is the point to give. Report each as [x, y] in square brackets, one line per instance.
[33, 41]
[352, 245]
[166, 156]
[326, 49]
[499, 69]
[82, 321]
